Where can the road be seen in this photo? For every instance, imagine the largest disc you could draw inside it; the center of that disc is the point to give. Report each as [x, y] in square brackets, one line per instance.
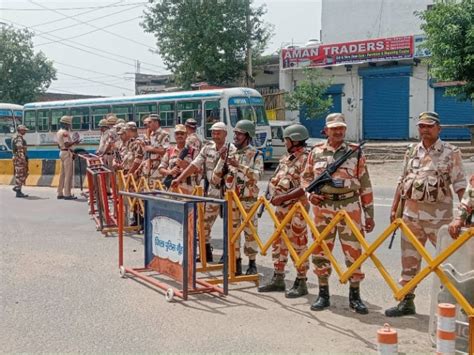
[61, 292]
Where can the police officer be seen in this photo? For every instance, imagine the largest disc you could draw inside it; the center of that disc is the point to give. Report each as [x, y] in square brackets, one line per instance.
[192, 139]
[159, 142]
[205, 162]
[65, 143]
[20, 160]
[245, 167]
[352, 192]
[285, 191]
[135, 149]
[431, 168]
[466, 211]
[172, 164]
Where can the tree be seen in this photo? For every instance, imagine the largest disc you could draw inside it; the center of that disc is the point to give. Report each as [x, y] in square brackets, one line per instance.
[24, 74]
[207, 39]
[310, 94]
[449, 27]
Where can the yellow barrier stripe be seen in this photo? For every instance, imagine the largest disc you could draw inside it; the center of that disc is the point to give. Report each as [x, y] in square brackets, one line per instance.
[7, 172]
[57, 172]
[35, 169]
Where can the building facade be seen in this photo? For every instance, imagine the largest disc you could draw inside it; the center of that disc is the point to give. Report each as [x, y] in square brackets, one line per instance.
[371, 53]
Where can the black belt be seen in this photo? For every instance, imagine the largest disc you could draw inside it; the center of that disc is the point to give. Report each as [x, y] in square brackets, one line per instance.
[339, 197]
[65, 150]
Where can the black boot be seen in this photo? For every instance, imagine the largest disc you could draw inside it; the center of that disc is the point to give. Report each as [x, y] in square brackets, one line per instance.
[20, 194]
[299, 289]
[252, 269]
[322, 302]
[16, 188]
[238, 266]
[404, 308]
[209, 257]
[355, 302]
[277, 284]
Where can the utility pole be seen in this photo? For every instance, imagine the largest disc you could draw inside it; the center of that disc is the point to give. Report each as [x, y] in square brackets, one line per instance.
[249, 76]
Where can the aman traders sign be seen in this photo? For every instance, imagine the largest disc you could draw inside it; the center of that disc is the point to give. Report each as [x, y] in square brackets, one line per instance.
[348, 53]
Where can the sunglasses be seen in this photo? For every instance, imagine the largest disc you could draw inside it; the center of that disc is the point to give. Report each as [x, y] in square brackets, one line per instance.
[179, 133]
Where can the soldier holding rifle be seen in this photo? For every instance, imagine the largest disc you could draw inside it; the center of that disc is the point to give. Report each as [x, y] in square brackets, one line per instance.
[349, 189]
[431, 168]
[285, 180]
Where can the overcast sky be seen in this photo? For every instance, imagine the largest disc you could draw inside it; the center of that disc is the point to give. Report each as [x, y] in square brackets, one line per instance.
[95, 49]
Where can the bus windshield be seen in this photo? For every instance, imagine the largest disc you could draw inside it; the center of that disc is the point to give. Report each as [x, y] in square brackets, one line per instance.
[247, 109]
[7, 125]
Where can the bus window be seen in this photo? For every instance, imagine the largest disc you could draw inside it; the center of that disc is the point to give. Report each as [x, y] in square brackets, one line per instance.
[98, 113]
[43, 121]
[55, 117]
[242, 109]
[30, 120]
[142, 111]
[80, 118]
[190, 109]
[167, 114]
[124, 112]
[211, 114]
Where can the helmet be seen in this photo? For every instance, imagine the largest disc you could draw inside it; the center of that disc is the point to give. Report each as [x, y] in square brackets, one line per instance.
[103, 123]
[191, 122]
[219, 126]
[245, 126]
[111, 119]
[66, 119]
[120, 120]
[296, 133]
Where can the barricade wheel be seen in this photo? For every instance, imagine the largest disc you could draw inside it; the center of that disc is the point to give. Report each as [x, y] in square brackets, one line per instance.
[122, 271]
[169, 295]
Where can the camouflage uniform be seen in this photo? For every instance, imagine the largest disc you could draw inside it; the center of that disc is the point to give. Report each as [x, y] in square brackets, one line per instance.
[159, 139]
[466, 208]
[243, 180]
[193, 141]
[354, 193]
[426, 182]
[169, 161]
[132, 153]
[206, 161]
[20, 160]
[287, 178]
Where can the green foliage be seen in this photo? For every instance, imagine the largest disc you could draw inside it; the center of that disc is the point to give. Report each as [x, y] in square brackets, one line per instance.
[206, 39]
[449, 27]
[23, 73]
[311, 95]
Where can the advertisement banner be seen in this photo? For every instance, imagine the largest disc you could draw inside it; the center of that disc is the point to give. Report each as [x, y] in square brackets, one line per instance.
[348, 53]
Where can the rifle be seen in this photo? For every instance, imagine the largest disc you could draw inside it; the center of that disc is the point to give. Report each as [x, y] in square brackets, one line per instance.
[225, 171]
[168, 179]
[399, 212]
[326, 176]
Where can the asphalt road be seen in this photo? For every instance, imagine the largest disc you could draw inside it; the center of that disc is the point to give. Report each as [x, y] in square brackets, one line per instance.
[61, 292]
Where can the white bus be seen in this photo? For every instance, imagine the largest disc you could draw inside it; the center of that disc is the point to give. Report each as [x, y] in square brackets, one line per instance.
[206, 106]
[10, 118]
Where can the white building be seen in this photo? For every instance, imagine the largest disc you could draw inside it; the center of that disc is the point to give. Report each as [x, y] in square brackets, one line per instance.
[370, 52]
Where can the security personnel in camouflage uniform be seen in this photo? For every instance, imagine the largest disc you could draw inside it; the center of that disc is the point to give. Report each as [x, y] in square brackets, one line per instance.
[20, 160]
[466, 211]
[159, 142]
[121, 147]
[192, 139]
[65, 143]
[351, 191]
[171, 165]
[431, 168]
[205, 162]
[134, 151]
[284, 186]
[245, 167]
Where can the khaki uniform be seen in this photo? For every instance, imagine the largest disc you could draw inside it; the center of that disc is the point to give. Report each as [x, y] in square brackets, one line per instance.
[169, 161]
[426, 188]
[193, 141]
[352, 194]
[287, 178]
[133, 152]
[466, 208]
[206, 161]
[243, 180]
[63, 136]
[20, 160]
[158, 139]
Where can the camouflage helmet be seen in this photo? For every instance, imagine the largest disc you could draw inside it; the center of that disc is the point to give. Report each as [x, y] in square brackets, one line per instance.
[296, 132]
[245, 126]
[103, 123]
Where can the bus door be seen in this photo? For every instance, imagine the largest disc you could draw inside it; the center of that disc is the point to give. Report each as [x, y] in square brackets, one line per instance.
[210, 116]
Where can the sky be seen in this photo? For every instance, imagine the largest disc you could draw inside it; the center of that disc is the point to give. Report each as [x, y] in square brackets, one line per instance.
[95, 45]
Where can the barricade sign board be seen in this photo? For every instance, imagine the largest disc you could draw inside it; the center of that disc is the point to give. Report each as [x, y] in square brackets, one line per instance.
[171, 242]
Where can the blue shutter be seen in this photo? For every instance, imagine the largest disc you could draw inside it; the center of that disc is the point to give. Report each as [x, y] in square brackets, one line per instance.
[386, 102]
[453, 111]
[316, 125]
